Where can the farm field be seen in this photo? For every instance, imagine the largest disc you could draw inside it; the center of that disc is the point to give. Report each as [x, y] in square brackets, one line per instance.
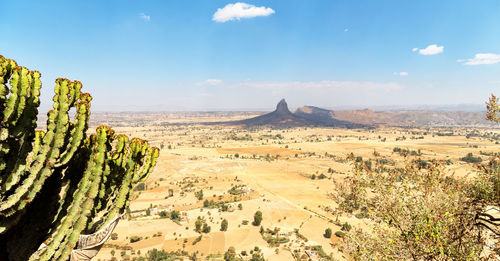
[286, 174]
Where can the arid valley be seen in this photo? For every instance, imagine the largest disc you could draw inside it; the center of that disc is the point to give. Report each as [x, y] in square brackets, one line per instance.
[286, 173]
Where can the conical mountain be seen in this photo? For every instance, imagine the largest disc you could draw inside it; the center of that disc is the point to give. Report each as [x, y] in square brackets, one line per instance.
[281, 117]
[282, 108]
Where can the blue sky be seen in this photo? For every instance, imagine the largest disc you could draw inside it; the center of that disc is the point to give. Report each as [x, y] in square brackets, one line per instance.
[211, 55]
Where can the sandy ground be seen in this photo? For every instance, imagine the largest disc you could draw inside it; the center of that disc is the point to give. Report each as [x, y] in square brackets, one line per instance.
[274, 168]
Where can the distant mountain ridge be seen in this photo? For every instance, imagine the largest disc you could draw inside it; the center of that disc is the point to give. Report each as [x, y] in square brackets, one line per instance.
[315, 116]
[397, 118]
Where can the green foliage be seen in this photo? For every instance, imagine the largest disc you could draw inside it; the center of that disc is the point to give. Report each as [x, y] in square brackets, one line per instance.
[236, 190]
[328, 233]
[471, 159]
[257, 218]
[201, 226]
[161, 255]
[230, 255]
[275, 241]
[418, 213]
[140, 187]
[73, 182]
[321, 252]
[164, 214]
[134, 239]
[198, 239]
[199, 194]
[206, 228]
[175, 215]
[198, 224]
[223, 225]
[346, 227]
[257, 255]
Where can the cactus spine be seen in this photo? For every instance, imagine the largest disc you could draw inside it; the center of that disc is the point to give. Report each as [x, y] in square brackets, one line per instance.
[90, 178]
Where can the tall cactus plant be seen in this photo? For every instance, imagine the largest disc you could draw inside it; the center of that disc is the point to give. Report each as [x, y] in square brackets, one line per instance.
[58, 183]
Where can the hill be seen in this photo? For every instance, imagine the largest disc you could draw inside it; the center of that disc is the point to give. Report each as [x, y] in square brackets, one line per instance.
[281, 117]
[395, 118]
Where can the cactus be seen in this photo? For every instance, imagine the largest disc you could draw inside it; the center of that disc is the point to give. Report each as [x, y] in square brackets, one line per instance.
[59, 183]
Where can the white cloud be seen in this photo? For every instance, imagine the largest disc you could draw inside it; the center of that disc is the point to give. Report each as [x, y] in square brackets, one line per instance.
[210, 82]
[346, 30]
[429, 50]
[481, 58]
[240, 10]
[298, 85]
[401, 73]
[145, 17]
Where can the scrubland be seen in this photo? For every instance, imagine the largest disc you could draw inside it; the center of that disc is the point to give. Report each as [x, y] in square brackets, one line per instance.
[210, 173]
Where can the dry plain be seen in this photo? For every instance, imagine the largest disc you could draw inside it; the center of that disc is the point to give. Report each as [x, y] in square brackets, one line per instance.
[272, 171]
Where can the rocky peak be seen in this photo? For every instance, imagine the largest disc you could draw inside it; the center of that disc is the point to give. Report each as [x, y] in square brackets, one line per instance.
[282, 107]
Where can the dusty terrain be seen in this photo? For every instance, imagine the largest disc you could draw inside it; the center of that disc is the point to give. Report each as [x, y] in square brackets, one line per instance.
[272, 171]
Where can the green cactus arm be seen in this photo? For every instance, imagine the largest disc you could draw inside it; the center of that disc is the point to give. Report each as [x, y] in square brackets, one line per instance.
[69, 244]
[8, 110]
[135, 158]
[13, 99]
[57, 125]
[25, 81]
[6, 68]
[77, 133]
[87, 190]
[118, 203]
[75, 92]
[149, 164]
[26, 127]
[71, 240]
[111, 183]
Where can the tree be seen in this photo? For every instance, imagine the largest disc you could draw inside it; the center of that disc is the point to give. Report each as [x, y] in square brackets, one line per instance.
[493, 109]
[257, 218]
[199, 195]
[419, 213]
[230, 254]
[174, 215]
[197, 224]
[328, 233]
[223, 225]
[74, 183]
[257, 255]
[163, 214]
[206, 228]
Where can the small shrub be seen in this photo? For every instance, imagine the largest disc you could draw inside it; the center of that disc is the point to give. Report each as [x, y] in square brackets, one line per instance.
[328, 233]
[134, 239]
[257, 218]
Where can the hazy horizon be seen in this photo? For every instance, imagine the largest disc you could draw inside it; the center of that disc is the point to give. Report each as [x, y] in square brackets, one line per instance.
[416, 107]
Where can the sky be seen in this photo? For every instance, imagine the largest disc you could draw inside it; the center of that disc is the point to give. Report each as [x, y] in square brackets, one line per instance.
[226, 55]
